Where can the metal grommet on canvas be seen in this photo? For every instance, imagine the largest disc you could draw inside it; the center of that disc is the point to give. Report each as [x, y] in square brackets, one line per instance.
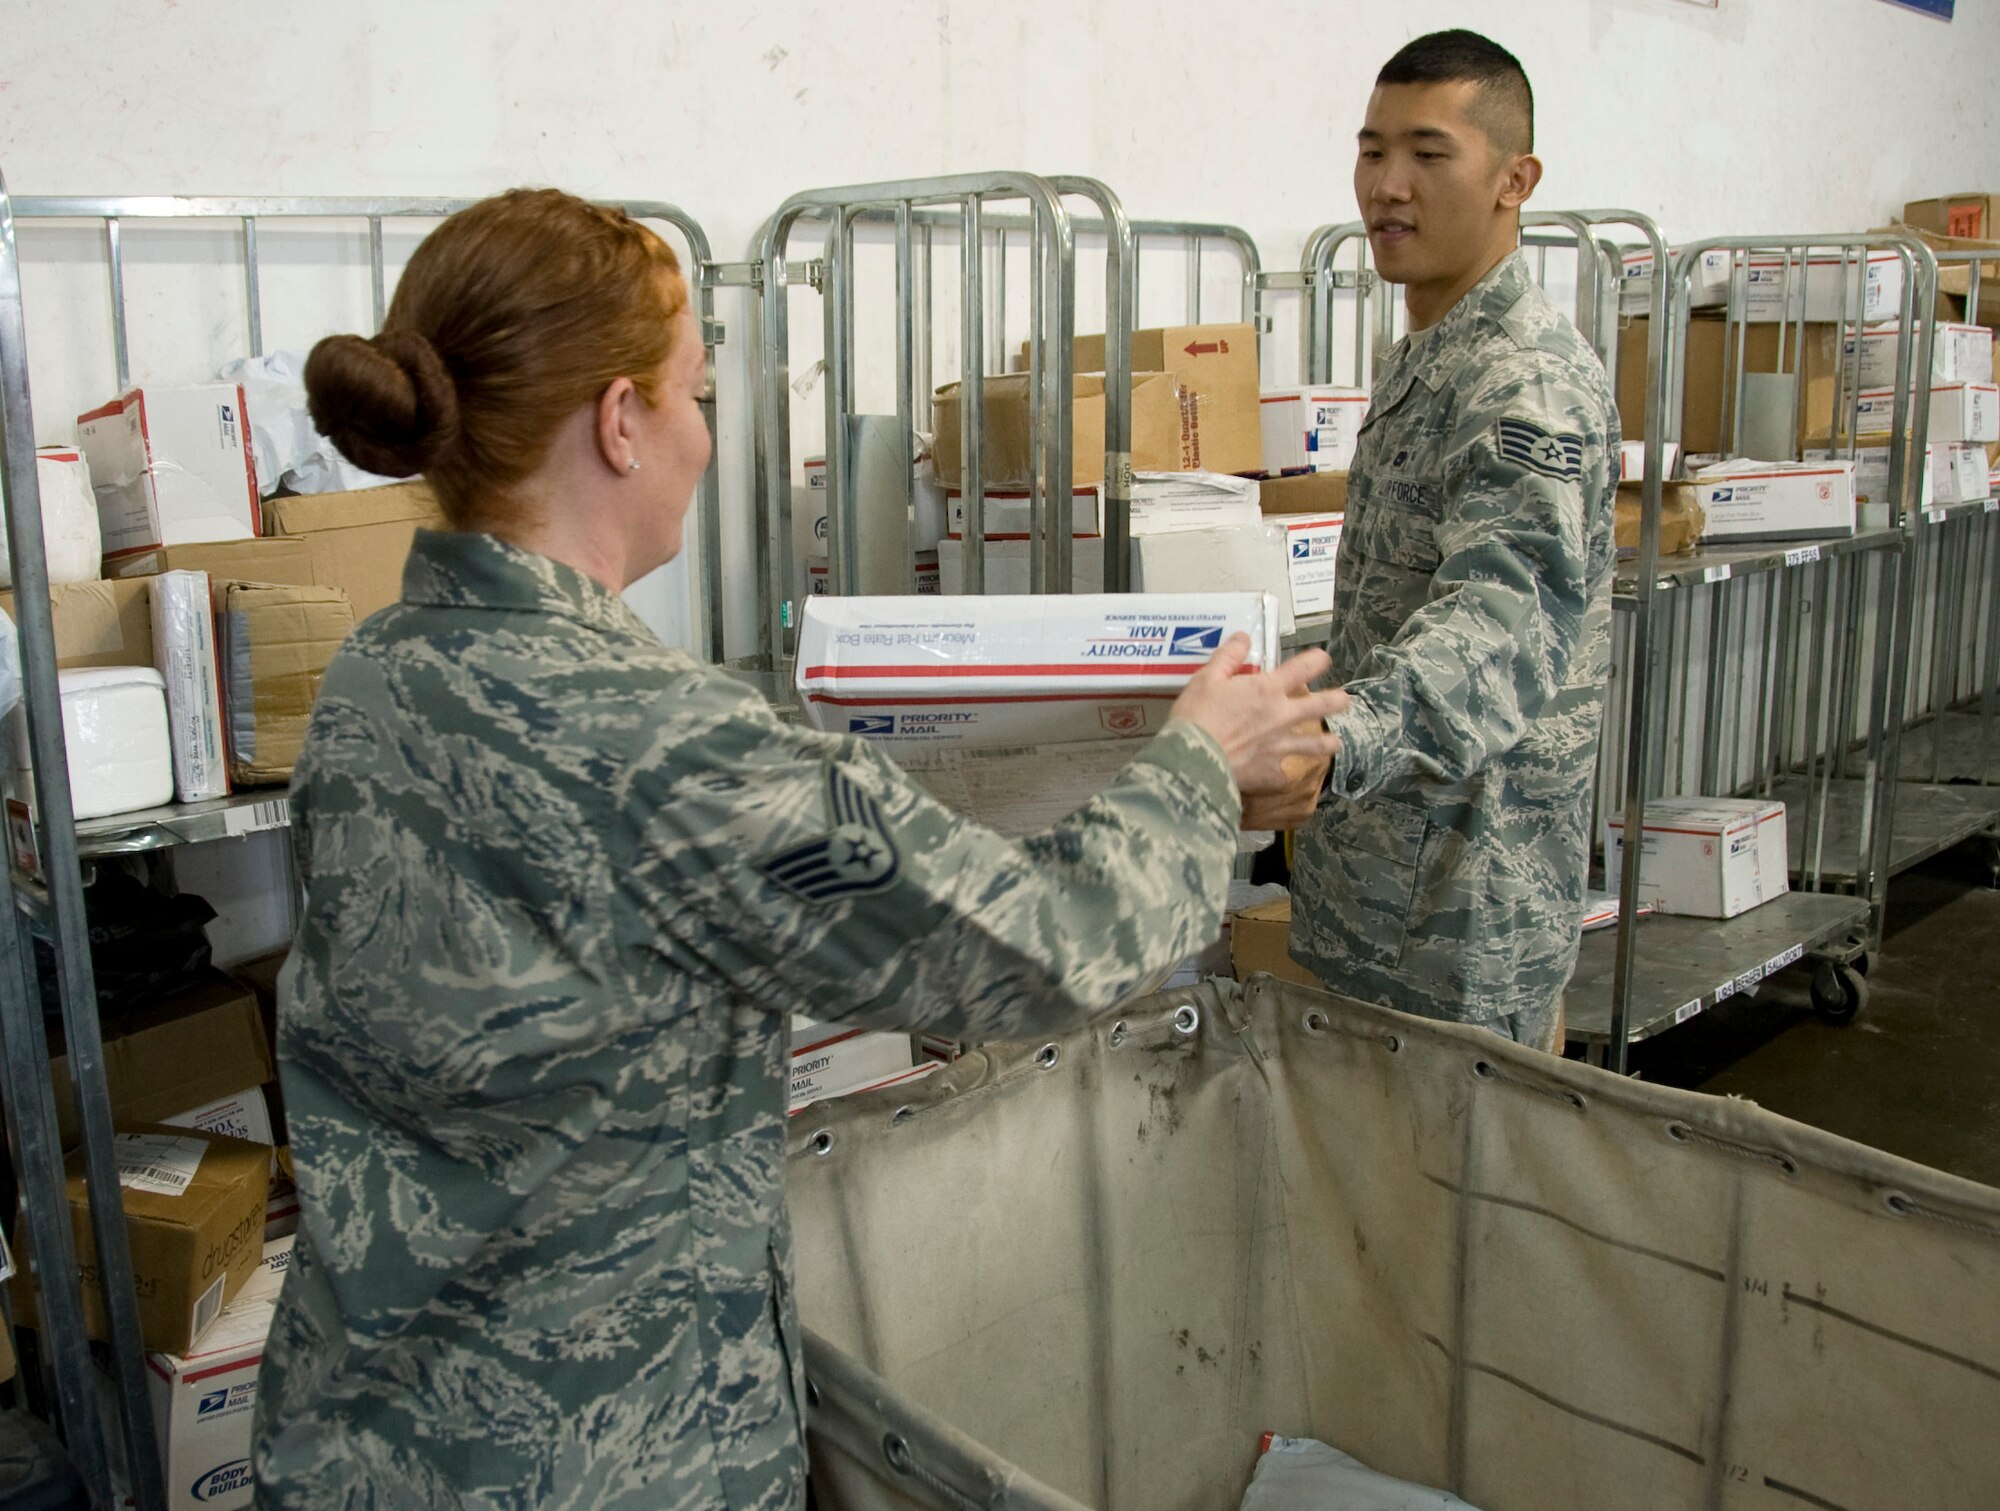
[1047, 1056]
[821, 1143]
[897, 1453]
[1119, 1031]
[1186, 1019]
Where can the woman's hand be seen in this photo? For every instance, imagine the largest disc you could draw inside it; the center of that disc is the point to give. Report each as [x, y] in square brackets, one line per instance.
[1270, 725]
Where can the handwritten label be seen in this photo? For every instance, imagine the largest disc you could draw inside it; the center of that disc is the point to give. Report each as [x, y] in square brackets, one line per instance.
[1803, 556]
[1716, 574]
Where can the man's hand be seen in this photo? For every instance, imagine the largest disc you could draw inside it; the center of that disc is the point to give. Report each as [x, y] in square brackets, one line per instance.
[1296, 802]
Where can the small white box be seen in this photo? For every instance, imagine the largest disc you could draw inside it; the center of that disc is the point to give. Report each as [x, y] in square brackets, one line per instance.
[1959, 474]
[1706, 857]
[835, 1059]
[818, 574]
[1966, 413]
[1007, 565]
[1008, 515]
[1635, 285]
[1960, 354]
[985, 671]
[1165, 502]
[1312, 551]
[184, 651]
[116, 734]
[246, 1115]
[1871, 472]
[1780, 288]
[1777, 500]
[170, 467]
[1632, 460]
[1239, 558]
[1311, 429]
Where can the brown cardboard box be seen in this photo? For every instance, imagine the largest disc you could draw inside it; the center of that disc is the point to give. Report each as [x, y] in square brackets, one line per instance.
[1681, 518]
[1709, 358]
[276, 639]
[178, 1054]
[1304, 493]
[264, 558]
[192, 1250]
[99, 623]
[1955, 280]
[1217, 364]
[1260, 940]
[1005, 452]
[360, 540]
[1976, 216]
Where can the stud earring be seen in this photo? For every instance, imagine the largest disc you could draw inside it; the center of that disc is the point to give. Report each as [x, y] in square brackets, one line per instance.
[633, 464]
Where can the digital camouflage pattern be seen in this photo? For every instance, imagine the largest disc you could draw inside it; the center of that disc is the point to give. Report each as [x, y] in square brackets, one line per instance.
[562, 888]
[1443, 873]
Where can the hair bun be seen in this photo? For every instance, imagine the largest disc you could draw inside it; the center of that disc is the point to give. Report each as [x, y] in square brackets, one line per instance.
[388, 403]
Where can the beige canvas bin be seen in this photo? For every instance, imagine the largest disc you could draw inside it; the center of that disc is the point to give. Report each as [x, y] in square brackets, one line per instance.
[1091, 1274]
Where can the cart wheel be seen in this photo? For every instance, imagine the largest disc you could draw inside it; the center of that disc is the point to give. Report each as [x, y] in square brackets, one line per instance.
[1839, 992]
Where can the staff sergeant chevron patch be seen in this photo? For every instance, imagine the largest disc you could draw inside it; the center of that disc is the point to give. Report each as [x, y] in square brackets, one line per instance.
[1526, 444]
[856, 857]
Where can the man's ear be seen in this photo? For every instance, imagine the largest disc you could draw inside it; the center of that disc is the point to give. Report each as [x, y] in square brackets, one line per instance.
[1519, 181]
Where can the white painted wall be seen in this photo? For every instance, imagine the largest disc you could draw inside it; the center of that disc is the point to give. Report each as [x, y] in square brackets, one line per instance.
[1762, 115]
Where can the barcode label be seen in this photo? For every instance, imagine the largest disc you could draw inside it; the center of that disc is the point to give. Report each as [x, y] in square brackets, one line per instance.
[1935, 516]
[158, 1162]
[254, 817]
[1790, 957]
[1716, 574]
[1804, 556]
[1992, 506]
[208, 1308]
[1686, 1011]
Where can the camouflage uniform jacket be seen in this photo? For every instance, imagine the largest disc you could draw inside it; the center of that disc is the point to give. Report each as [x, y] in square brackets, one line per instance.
[563, 886]
[1443, 873]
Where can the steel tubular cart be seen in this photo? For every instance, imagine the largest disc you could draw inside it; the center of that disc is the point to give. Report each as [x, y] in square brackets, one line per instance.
[51, 903]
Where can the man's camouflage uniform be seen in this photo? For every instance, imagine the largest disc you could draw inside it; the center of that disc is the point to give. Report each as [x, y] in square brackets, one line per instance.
[1444, 871]
[562, 887]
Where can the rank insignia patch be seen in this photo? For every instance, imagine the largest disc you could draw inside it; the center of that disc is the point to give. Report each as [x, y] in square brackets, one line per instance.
[856, 857]
[1526, 444]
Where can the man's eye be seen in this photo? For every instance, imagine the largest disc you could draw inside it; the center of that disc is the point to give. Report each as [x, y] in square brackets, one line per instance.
[1430, 157]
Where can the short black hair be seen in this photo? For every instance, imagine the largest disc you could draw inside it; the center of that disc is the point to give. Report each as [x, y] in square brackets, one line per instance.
[1505, 109]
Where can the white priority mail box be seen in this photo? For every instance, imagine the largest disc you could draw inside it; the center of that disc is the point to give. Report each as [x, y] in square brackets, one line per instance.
[835, 1059]
[1968, 413]
[1009, 515]
[1312, 550]
[924, 564]
[170, 467]
[1165, 502]
[1817, 289]
[1313, 428]
[1961, 354]
[205, 1402]
[1706, 857]
[1953, 474]
[184, 652]
[1635, 284]
[1013, 670]
[1776, 500]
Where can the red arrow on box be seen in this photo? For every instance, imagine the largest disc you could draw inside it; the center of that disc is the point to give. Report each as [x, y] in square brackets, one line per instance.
[1206, 348]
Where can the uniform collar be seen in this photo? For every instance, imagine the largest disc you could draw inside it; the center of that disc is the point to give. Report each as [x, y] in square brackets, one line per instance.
[469, 570]
[1434, 358]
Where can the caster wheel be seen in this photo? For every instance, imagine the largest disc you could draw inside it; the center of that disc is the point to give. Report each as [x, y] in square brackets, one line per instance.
[1839, 992]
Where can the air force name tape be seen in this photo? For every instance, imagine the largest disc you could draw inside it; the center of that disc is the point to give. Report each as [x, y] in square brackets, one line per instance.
[856, 857]
[1526, 444]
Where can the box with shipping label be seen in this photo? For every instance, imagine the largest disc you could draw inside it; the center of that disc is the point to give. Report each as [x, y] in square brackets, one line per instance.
[1260, 940]
[194, 1217]
[1972, 215]
[1233, 559]
[1009, 513]
[1006, 450]
[1312, 429]
[1862, 287]
[170, 466]
[1008, 564]
[1009, 670]
[116, 740]
[1871, 473]
[1709, 288]
[174, 1055]
[836, 1059]
[1216, 367]
[1681, 518]
[102, 623]
[1706, 857]
[277, 641]
[265, 558]
[1303, 493]
[205, 1400]
[1312, 552]
[1960, 353]
[184, 651]
[1966, 413]
[924, 565]
[360, 540]
[1789, 376]
[1776, 501]
[1165, 502]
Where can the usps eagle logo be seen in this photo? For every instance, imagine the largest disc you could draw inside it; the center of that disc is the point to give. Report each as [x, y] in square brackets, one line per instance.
[855, 858]
[1553, 454]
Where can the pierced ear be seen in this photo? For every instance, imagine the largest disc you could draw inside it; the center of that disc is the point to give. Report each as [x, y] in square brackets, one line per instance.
[614, 444]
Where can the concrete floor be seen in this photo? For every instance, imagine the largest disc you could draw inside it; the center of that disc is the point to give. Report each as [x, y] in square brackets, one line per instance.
[1917, 1074]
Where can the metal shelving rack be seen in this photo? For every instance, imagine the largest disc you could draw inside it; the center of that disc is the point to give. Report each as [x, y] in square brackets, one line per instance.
[52, 903]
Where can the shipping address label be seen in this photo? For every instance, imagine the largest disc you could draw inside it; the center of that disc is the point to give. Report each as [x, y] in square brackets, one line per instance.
[157, 1162]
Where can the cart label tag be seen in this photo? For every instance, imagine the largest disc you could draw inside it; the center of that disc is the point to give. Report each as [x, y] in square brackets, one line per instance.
[257, 817]
[1935, 516]
[1790, 957]
[1751, 979]
[1686, 1011]
[1992, 506]
[1716, 574]
[1724, 992]
[1804, 556]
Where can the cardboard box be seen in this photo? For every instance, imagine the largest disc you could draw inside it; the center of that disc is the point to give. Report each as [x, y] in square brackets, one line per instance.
[1955, 279]
[1307, 493]
[173, 1056]
[1008, 513]
[99, 623]
[205, 1401]
[1960, 353]
[170, 466]
[277, 640]
[1774, 501]
[1312, 552]
[1706, 857]
[1975, 216]
[1233, 559]
[983, 671]
[1164, 503]
[267, 558]
[1953, 474]
[1312, 429]
[185, 654]
[1776, 408]
[1965, 413]
[1006, 453]
[1260, 940]
[360, 540]
[836, 1059]
[1681, 518]
[1007, 565]
[925, 565]
[194, 1216]
[1216, 366]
